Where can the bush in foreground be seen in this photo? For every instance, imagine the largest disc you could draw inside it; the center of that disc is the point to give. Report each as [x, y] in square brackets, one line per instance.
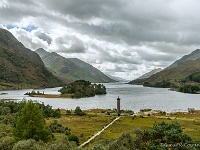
[74, 138]
[30, 144]
[159, 137]
[56, 127]
[61, 144]
[30, 124]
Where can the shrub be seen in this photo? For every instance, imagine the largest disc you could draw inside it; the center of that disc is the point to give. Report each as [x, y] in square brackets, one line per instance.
[68, 112]
[141, 116]
[153, 138]
[98, 147]
[78, 111]
[30, 144]
[55, 126]
[124, 142]
[61, 144]
[5, 111]
[163, 113]
[160, 133]
[73, 138]
[9, 119]
[6, 143]
[57, 113]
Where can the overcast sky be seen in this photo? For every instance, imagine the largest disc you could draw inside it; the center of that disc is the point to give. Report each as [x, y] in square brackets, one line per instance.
[124, 38]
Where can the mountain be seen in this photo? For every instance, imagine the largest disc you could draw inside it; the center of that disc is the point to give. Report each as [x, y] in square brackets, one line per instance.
[145, 76]
[192, 56]
[118, 79]
[180, 69]
[9, 43]
[89, 68]
[177, 73]
[20, 67]
[70, 69]
[148, 74]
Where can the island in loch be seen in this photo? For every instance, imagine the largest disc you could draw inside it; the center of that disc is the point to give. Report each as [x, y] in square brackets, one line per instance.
[76, 89]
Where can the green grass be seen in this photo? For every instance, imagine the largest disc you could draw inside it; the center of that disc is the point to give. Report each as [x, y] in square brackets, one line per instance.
[82, 126]
[124, 124]
[86, 126]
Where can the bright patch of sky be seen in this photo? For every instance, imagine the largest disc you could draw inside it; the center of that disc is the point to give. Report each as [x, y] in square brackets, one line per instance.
[28, 28]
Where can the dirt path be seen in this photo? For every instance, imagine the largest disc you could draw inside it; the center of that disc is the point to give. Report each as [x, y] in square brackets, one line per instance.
[98, 133]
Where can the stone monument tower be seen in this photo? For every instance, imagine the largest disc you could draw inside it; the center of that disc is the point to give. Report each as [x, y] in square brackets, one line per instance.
[118, 106]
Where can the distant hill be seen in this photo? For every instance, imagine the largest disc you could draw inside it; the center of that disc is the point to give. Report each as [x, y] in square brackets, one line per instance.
[148, 74]
[118, 79]
[180, 69]
[70, 69]
[143, 78]
[20, 67]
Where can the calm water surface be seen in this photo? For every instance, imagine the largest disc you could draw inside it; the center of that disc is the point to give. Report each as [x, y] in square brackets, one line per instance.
[133, 97]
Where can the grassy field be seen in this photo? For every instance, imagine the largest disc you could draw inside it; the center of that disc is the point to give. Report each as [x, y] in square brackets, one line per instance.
[83, 126]
[86, 126]
[189, 126]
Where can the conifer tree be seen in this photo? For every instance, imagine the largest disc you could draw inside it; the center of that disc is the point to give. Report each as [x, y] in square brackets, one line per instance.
[30, 124]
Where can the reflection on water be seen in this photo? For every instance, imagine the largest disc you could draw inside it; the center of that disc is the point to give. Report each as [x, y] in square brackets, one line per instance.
[133, 97]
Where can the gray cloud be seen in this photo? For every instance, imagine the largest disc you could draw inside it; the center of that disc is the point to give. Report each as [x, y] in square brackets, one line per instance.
[69, 44]
[43, 36]
[125, 38]
[29, 39]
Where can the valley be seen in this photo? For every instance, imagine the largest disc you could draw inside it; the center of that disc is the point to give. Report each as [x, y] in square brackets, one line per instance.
[59, 92]
[99, 75]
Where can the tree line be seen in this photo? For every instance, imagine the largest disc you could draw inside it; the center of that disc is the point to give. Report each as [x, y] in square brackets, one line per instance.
[188, 85]
[82, 88]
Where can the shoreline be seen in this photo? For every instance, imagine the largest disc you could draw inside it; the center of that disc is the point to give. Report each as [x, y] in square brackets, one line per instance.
[145, 112]
[55, 96]
[141, 112]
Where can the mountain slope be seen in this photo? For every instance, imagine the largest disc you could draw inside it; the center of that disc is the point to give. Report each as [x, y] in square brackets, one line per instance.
[179, 72]
[89, 68]
[70, 69]
[10, 43]
[180, 69]
[20, 67]
[148, 74]
[144, 77]
[192, 56]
